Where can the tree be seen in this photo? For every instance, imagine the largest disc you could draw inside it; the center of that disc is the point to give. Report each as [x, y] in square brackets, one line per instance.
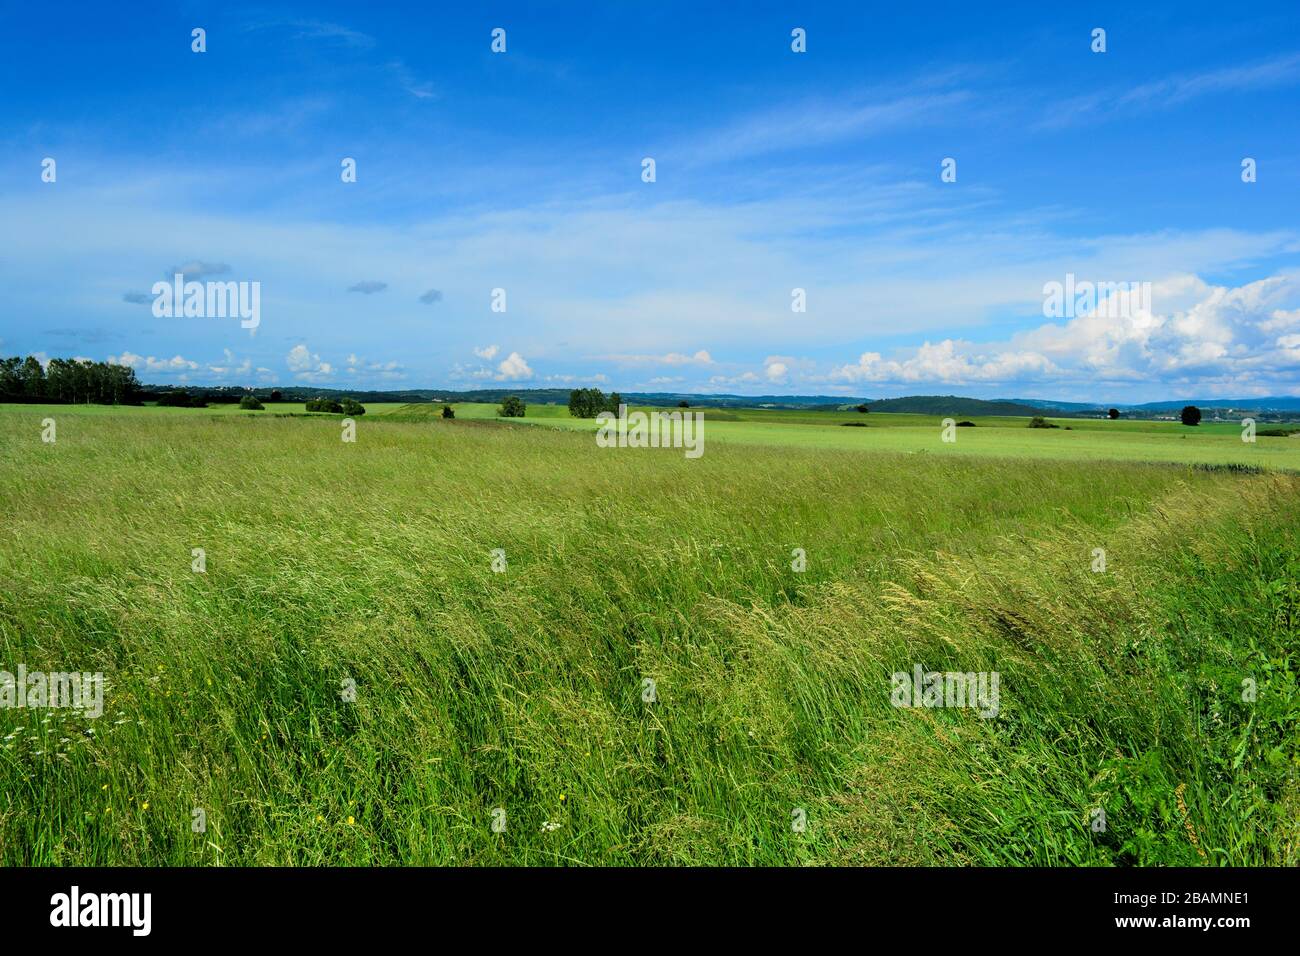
[180, 399]
[276, 395]
[589, 402]
[1113, 413]
[586, 402]
[683, 404]
[511, 407]
[352, 407]
[448, 412]
[863, 408]
[33, 377]
[1190, 415]
[11, 380]
[1038, 421]
[249, 403]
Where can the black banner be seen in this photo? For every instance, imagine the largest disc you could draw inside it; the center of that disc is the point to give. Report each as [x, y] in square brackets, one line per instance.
[332, 906]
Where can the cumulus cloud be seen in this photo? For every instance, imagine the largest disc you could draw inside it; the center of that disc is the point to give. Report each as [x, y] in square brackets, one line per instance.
[487, 353]
[946, 362]
[1193, 333]
[513, 368]
[306, 364]
[368, 287]
[361, 366]
[143, 363]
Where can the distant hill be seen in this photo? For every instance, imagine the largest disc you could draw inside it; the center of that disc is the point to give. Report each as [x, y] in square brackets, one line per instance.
[1269, 403]
[951, 405]
[1083, 408]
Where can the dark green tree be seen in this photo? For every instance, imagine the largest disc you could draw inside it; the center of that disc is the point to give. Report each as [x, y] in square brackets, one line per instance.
[324, 405]
[11, 379]
[586, 402]
[33, 378]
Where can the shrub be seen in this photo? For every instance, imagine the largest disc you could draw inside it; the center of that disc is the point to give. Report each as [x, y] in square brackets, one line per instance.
[965, 424]
[511, 407]
[250, 403]
[352, 407]
[862, 408]
[1190, 415]
[180, 399]
[1038, 421]
[448, 412]
[324, 405]
[682, 404]
[1113, 414]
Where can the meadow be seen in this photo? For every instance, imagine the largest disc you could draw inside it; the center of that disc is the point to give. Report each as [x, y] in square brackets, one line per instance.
[1217, 443]
[484, 643]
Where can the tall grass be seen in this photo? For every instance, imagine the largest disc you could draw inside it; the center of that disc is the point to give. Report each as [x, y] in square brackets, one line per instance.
[523, 690]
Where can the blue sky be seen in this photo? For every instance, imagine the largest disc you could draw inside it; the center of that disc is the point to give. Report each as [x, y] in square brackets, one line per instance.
[775, 171]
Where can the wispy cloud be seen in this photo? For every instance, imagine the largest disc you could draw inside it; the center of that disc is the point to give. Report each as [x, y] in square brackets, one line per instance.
[817, 122]
[1174, 90]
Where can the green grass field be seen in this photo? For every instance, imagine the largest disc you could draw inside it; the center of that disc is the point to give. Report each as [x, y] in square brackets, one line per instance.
[1087, 439]
[1159, 695]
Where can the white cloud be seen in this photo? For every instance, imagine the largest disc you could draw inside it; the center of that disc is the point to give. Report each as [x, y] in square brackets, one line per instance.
[513, 368]
[361, 367]
[945, 362]
[230, 368]
[670, 358]
[307, 365]
[150, 364]
[1217, 337]
[488, 352]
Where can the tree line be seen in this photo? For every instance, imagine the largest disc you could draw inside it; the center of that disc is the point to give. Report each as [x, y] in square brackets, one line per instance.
[67, 381]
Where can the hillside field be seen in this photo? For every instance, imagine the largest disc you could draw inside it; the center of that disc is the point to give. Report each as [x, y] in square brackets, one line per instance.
[645, 677]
